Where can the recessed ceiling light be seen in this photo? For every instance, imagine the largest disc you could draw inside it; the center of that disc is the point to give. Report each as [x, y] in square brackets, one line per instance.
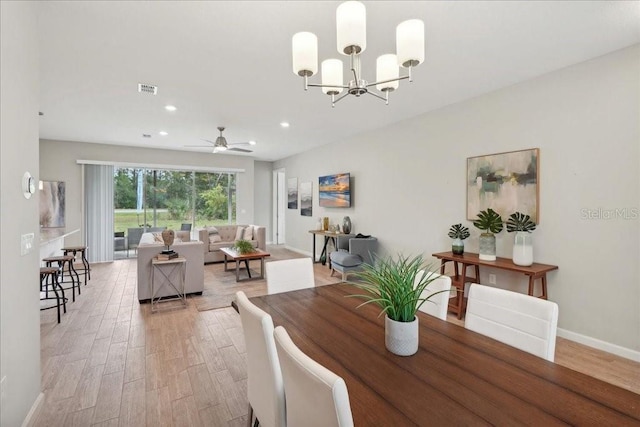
[170, 107]
[252, 143]
[163, 133]
[284, 124]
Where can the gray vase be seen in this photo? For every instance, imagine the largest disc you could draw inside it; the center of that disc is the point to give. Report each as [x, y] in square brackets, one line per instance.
[346, 225]
[487, 247]
[401, 338]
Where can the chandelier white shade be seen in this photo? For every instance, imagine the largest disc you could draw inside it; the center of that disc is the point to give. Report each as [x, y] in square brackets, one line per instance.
[351, 23]
[332, 76]
[351, 27]
[410, 43]
[305, 53]
[387, 71]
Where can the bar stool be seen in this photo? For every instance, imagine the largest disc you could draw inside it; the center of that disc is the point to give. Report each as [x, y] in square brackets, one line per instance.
[85, 262]
[45, 274]
[62, 261]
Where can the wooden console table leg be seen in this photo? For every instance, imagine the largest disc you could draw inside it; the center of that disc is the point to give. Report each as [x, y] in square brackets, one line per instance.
[544, 287]
[531, 283]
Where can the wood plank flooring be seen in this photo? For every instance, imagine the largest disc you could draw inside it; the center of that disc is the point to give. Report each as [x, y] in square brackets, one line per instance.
[113, 363]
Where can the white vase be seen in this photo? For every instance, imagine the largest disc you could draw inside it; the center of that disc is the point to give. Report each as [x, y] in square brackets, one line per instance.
[523, 249]
[401, 338]
[487, 247]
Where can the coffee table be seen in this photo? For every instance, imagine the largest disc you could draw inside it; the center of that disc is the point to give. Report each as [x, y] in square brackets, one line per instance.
[233, 255]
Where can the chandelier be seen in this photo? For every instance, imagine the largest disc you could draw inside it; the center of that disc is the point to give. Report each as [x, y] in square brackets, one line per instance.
[352, 41]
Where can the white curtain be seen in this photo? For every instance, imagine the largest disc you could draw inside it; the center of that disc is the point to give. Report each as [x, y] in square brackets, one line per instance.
[98, 221]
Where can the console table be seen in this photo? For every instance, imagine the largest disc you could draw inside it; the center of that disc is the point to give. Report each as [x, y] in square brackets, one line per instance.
[328, 235]
[175, 267]
[535, 271]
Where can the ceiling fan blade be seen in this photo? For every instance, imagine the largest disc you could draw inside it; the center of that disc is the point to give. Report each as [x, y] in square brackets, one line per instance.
[243, 150]
[206, 140]
[239, 143]
[201, 146]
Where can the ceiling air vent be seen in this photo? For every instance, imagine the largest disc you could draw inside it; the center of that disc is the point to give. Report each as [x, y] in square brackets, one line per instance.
[145, 88]
[146, 135]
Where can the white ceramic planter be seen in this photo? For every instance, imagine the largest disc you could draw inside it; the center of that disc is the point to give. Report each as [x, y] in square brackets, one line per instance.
[401, 338]
[523, 249]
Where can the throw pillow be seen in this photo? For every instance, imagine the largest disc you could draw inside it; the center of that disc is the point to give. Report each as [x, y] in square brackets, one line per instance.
[214, 238]
[248, 233]
[212, 230]
[146, 239]
[157, 238]
[239, 233]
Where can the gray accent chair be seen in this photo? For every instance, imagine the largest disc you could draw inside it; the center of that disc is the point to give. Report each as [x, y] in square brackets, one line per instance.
[352, 253]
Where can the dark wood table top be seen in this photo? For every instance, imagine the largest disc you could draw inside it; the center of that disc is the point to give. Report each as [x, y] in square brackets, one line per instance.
[502, 263]
[235, 255]
[458, 377]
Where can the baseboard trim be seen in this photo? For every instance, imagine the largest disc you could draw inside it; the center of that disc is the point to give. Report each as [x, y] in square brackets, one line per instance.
[291, 248]
[627, 353]
[30, 419]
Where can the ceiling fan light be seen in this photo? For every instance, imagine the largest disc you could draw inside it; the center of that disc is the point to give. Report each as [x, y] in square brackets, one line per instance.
[410, 43]
[332, 76]
[304, 46]
[351, 27]
[387, 69]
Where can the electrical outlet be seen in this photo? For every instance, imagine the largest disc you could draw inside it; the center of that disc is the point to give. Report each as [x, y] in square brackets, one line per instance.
[492, 279]
[26, 243]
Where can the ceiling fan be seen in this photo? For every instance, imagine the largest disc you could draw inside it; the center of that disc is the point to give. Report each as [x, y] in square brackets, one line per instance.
[221, 144]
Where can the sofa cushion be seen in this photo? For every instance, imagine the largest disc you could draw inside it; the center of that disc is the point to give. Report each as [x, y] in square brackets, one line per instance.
[248, 233]
[212, 230]
[146, 239]
[345, 259]
[239, 233]
[214, 238]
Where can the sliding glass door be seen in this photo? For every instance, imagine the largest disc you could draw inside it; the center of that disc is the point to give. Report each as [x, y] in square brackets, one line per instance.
[154, 199]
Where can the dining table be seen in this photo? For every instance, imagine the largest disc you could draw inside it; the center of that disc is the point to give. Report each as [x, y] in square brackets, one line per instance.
[457, 377]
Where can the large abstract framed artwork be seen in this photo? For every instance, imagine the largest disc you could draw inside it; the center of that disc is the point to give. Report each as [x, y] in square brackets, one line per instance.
[292, 193]
[306, 199]
[504, 182]
[52, 204]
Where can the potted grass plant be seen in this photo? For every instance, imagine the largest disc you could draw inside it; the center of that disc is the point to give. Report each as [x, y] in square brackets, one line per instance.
[458, 233]
[490, 222]
[397, 285]
[244, 247]
[522, 225]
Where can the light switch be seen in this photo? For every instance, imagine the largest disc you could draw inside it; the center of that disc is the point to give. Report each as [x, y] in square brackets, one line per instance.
[26, 243]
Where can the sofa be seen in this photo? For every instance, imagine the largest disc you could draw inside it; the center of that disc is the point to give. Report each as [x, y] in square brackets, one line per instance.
[194, 276]
[224, 236]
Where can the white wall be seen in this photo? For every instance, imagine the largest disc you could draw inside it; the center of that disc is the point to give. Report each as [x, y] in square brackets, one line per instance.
[19, 275]
[58, 162]
[263, 193]
[409, 185]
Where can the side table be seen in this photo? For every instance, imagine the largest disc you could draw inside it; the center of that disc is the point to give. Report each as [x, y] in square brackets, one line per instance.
[170, 270]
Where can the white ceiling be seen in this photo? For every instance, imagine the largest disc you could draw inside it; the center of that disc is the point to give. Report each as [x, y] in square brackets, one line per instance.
[229, 63]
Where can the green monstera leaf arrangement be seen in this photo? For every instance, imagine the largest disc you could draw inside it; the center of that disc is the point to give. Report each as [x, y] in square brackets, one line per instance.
[458, 231]
[520, 222]
[489, 221]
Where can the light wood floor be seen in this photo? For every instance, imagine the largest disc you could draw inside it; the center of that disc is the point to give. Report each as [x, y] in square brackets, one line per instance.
[111, 362]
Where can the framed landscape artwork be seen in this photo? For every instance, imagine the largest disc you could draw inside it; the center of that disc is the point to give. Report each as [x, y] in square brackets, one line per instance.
[504, 182]
[292, 193]
[306, 199]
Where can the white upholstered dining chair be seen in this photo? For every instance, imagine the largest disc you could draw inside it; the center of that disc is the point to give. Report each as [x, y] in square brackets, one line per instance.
[519, 320]
[315, 396]
[438, 305]
[289, 275]
[265, 389]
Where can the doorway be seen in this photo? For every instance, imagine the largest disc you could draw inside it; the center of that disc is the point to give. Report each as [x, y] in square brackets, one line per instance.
[279, 206]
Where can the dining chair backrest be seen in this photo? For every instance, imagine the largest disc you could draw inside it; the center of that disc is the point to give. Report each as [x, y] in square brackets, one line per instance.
[519, 320]
[265, 388]
[289, 275]
[437, 305]
[315, 396]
